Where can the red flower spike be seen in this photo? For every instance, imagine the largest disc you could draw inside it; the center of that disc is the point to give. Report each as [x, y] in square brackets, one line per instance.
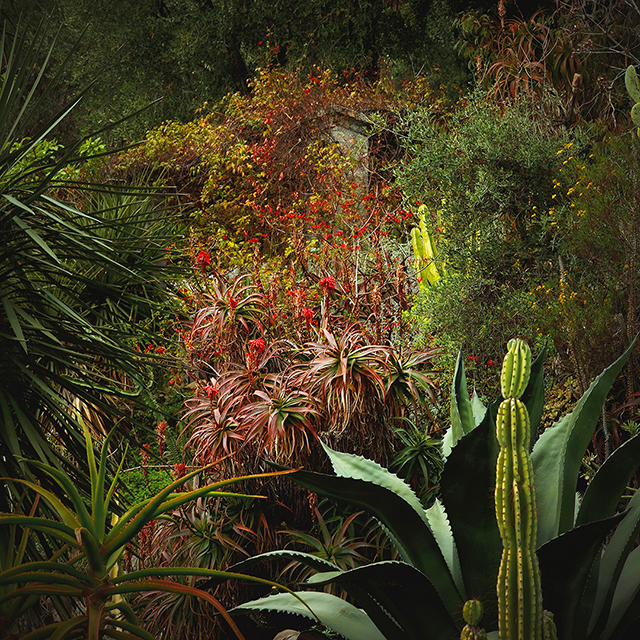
[203, 258]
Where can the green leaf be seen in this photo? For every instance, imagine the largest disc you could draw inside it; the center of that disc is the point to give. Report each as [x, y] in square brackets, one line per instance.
[625, 607]
[462, 420]
[612, 563]
[635, 114]
[466, 489]
[533, 396]
[14, 322]
[479, 410]
[441, 529]
[337, 614]
[565, 564]
[397, 591]
[632, 84]
[558, 453]
[406, 527]
[610, 482]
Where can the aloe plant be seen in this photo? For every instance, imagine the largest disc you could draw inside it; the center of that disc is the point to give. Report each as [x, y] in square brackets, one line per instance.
[425, 252]
[85, 571]
[451, 552]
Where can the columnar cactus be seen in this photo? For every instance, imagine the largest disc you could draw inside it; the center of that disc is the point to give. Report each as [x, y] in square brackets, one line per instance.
[472, 614]
[519, 593]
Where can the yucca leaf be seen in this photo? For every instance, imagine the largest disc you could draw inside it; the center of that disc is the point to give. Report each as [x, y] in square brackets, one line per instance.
[14, 322]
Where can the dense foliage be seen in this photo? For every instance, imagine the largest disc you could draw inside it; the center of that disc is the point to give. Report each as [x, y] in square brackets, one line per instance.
[291, 269]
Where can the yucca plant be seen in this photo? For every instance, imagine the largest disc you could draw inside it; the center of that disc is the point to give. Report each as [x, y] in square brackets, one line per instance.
[85, 573]
[71, 273]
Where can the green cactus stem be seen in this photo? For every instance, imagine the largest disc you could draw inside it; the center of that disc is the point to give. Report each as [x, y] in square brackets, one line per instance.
[472, 614]
[519, 592]
[549, 631]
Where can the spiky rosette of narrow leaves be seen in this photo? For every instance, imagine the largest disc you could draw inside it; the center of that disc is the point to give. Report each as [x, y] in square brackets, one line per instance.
[85, 531]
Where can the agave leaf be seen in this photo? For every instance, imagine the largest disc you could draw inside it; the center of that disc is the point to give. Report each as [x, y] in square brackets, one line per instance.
[351, 466]
[479, 410]
[397, 591]
[406, 526]
[466, 489]
[625, 607]
[606, 488]
[631, 83]
[319, 564]
[462, 420]
[337, 614]
[441, 528]
[635, 114]
[558, 453]
[533, 396]
[612, 564]
[565, 565]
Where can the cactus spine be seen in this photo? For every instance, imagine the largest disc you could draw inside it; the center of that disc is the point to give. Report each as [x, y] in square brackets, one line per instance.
[519, 592]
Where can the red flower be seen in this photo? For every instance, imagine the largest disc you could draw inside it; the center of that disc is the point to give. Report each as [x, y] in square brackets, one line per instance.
[490, 363]
[307, 314]
[180, 470]
[328, 283]
[233, 303]
[203, 258]
[211, 391]
[161, 433]
[472, 357]
[258, 345]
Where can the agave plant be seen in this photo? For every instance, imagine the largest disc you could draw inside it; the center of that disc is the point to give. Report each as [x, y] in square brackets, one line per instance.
[451, 552]
[85, 573]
